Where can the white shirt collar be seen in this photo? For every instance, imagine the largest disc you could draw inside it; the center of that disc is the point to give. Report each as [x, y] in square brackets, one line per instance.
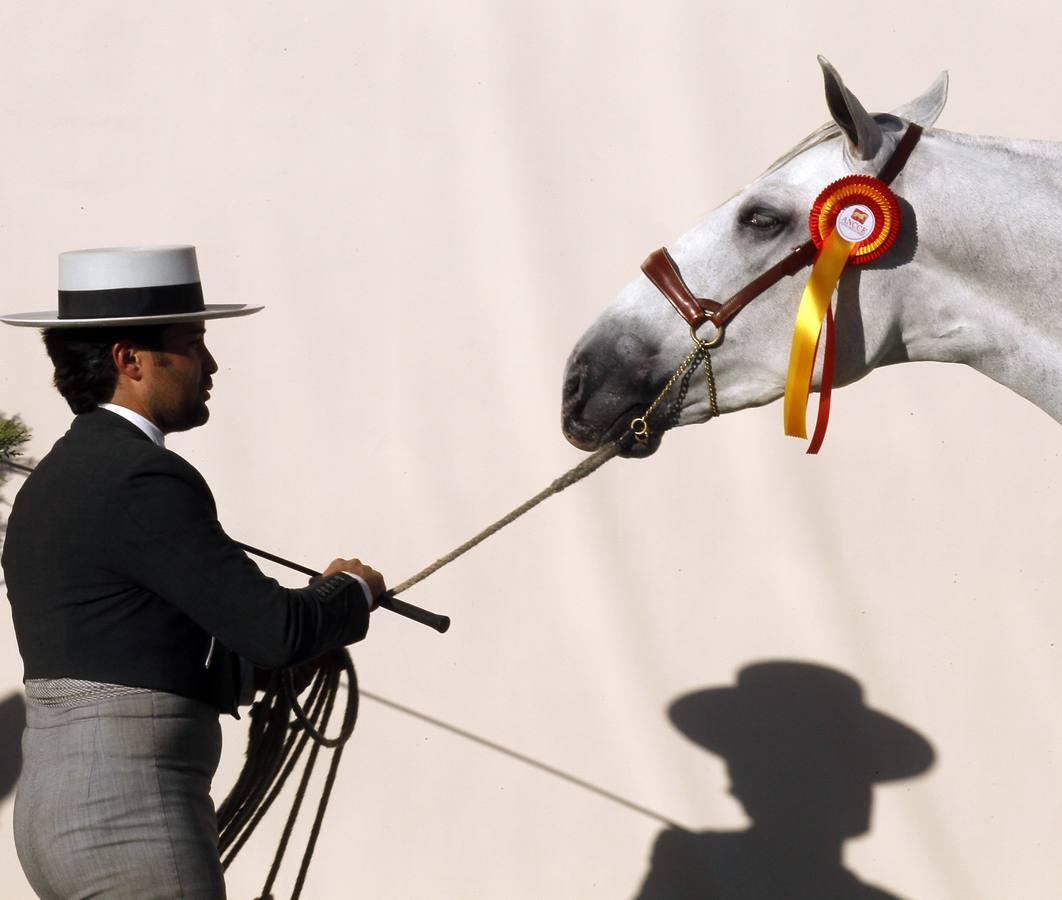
[145, 425]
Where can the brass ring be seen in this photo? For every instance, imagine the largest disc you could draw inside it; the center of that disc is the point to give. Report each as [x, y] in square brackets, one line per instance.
[640, 428]
[720, 333]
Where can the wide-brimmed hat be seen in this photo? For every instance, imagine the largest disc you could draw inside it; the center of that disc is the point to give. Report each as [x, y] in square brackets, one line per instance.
[129, 286]
[794, 710]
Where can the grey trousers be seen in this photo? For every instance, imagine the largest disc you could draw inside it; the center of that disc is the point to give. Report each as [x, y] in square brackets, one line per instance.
[114, 798]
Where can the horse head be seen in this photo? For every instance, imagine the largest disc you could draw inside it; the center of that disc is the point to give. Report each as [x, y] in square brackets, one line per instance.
[621, 363]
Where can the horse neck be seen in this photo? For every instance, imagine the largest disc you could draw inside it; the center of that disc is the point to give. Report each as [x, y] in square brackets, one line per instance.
[984, 286]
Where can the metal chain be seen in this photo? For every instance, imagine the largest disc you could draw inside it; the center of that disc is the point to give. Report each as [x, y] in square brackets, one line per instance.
[674, 410]
[640, 426]
[710, 377]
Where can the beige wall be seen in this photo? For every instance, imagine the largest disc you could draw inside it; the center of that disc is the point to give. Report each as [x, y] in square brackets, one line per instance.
[433, 200]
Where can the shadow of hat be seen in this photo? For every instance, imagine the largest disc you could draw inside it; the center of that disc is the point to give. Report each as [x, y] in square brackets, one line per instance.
[800, 710]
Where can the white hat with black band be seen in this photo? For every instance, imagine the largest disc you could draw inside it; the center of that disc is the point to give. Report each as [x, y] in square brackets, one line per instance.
[129, 286]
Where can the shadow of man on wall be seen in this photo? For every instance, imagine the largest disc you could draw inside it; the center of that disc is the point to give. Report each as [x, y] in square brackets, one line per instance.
[803, 752]
[12, 722]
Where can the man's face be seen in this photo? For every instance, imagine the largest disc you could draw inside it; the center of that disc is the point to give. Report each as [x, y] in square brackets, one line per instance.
[177, 378]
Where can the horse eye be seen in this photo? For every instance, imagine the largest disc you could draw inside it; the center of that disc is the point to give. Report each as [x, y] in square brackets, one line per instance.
[761, 220]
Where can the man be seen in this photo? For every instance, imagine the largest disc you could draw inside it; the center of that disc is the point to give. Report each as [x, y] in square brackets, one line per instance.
[137, 617]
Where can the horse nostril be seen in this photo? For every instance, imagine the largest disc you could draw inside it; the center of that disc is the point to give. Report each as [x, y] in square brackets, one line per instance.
[573, 384]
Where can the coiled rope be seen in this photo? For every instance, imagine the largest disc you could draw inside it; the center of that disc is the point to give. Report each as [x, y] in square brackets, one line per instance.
[280, 730]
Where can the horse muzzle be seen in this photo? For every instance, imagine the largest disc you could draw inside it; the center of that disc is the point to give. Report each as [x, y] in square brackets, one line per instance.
[598, 405]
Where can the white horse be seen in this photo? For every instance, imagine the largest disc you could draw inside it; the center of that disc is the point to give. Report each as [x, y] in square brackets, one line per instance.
[973, 277]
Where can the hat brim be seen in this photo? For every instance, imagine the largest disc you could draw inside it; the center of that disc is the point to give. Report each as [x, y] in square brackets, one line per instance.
[719, 720]
[46, 319]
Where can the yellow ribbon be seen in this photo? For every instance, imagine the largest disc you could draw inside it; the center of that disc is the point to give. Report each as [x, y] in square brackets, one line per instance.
[813, 305]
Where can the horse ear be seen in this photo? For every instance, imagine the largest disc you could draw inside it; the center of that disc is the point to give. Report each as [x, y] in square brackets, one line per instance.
[925, 109]
[864, 134]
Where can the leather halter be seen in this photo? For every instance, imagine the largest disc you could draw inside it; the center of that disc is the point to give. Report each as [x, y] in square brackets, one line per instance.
[664, 273]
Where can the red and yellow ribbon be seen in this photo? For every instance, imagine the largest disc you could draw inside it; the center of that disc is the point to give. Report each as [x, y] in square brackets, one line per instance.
[853, 220]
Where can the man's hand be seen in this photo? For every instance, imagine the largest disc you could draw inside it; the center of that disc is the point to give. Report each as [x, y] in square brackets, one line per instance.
[372, 578]
[302, 674]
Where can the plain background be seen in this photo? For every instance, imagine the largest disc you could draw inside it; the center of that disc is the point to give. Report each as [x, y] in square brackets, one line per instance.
[433, 201]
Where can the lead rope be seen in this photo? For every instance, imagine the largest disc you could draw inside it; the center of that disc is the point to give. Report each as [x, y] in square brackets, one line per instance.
[281, 727]
[596, 460]
[589, 465]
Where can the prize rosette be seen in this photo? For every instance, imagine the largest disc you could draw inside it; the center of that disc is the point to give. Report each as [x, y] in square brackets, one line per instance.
[863, 210]
[855, 219]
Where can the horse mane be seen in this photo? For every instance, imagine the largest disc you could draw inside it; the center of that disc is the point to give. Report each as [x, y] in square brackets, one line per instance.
[827, 132]
[820, 135]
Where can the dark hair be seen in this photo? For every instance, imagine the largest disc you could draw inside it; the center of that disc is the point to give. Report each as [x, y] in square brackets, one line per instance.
[84, 371]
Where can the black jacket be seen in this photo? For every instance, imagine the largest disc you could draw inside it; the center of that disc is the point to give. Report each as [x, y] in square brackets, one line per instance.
[118, 570]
